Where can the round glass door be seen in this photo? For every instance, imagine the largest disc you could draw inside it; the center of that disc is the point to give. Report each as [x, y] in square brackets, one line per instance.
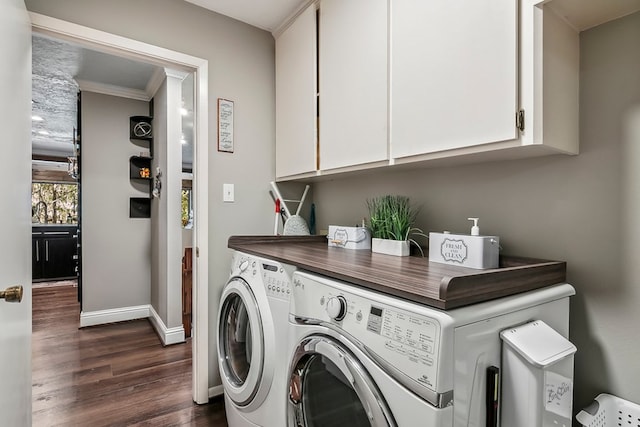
[329, 387]
[240, 342]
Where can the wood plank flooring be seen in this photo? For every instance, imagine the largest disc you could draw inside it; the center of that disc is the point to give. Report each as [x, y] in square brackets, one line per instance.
[110, 375]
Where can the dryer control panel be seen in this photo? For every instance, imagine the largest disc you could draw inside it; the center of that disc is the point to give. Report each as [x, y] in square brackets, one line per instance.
[275, 276]
[276, 280]
[404, 339]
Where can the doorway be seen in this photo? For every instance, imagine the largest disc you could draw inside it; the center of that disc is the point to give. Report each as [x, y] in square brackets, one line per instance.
[127, 48]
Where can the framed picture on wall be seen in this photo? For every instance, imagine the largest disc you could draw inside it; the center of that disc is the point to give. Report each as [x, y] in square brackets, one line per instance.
[225, 125]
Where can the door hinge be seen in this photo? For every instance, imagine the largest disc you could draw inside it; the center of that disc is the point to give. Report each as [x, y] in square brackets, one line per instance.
[197, 252]
[520, 120]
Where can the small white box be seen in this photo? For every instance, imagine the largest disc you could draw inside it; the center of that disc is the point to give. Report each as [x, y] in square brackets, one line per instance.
[349, 237]
[480, 252]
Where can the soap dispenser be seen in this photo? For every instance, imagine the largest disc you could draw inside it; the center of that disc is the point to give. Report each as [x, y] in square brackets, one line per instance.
[475, 230]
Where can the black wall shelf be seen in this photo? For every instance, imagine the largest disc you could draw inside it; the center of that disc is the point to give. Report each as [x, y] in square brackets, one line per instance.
[139, 207]
[140, 128]
[140, 168]
[141, 134]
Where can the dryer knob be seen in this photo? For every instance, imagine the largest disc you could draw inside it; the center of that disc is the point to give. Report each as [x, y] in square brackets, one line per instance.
[337, 307]
[243, 265]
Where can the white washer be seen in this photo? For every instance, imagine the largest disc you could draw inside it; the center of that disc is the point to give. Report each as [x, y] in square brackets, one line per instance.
[362, 358]
[252, 338]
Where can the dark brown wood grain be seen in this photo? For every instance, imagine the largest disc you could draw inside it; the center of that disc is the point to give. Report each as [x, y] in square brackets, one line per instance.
[413, 278]
[111, 375]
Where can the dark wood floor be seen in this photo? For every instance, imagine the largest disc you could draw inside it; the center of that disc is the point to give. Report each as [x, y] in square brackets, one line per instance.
[111, 375]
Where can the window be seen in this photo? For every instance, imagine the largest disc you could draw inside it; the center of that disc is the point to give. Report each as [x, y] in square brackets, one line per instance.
[187, 211]
[54, 203]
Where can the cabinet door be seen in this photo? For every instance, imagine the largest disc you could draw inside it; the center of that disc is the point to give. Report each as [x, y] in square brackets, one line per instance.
[58, 257]
[353, 82]
[454, 74]
[296, 147]
[37, 251]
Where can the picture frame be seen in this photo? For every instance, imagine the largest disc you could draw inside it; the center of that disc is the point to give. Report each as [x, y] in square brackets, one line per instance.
[225, 125]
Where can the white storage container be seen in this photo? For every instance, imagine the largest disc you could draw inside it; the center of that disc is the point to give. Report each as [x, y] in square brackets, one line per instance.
[610, 411]
[480, 252]
[537, 377]
[349, 237]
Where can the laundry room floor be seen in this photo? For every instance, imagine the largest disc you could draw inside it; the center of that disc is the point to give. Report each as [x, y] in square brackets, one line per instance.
[117, 374]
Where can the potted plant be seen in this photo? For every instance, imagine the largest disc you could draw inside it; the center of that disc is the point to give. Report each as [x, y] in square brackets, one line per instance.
[391, 220]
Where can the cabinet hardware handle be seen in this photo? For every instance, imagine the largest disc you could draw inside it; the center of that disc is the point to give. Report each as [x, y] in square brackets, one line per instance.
[37, 250]
[46, 250]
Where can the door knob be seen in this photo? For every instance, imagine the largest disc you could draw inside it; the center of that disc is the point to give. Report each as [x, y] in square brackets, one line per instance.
[12, 294]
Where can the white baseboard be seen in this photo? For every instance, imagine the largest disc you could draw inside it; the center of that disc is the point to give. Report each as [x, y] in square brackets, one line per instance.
[216, 391]
[101, 317]
[167, 335]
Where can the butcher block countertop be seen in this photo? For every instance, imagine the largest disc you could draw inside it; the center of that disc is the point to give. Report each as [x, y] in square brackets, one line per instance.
[413, 278]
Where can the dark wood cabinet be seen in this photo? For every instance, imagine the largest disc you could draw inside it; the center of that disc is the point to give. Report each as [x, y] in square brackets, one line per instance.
[54, 252]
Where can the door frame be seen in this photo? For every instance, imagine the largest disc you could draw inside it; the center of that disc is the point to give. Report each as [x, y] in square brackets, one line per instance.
[136, 50]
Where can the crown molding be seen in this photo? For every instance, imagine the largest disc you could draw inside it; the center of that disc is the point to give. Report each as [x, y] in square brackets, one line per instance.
[113, 90]
[155, 82]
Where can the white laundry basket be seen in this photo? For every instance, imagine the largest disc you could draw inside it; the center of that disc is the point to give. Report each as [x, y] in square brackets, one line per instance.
[610, 411]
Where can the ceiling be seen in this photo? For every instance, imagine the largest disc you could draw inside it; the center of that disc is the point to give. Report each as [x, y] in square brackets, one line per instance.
[270, 14]
[585, 14]
[265, 14]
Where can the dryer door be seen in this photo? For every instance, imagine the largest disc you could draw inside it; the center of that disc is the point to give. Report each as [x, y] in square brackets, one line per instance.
[240, 342]
[329, 386]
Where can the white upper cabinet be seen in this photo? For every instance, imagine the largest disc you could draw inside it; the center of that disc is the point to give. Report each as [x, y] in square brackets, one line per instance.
[460, 73]
[296, 137]
[414, 81]
[353, 82]
[454, 74]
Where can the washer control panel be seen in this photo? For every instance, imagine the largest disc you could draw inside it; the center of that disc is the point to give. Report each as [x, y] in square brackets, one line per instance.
[405, 340]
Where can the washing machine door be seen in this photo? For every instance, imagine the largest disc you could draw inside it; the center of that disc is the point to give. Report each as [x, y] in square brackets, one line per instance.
[328, 386]
[240, 342]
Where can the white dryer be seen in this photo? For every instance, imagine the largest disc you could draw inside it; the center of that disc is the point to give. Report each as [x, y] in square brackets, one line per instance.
[362, 358]
[252, 338]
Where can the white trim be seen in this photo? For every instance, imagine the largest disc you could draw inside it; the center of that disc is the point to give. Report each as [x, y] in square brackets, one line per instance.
[200, 237]
[113, 44]
[216, 391]
[101, 317]
[113, 90]
[277, 32]
[167, 335]
[155, 82]
[176, 74]
[133, 49]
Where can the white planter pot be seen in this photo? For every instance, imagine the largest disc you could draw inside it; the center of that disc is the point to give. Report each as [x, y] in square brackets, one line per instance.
[390, 247]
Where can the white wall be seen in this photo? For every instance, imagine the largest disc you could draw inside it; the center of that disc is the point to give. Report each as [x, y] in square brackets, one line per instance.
[241, 68]
[583, 209]
[115, 248]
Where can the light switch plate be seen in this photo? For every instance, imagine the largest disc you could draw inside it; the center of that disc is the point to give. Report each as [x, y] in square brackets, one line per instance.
[228, 195]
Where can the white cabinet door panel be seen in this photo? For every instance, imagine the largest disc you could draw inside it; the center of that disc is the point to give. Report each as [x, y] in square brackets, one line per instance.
[453, 74]
[353, 82]
[15, 214]
[296, 96]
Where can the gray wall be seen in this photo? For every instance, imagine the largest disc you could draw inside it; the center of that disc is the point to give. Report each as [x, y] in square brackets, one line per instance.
[115, 248]
[166, 236]
[241, 68]
[583, 209]
[158, 212]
